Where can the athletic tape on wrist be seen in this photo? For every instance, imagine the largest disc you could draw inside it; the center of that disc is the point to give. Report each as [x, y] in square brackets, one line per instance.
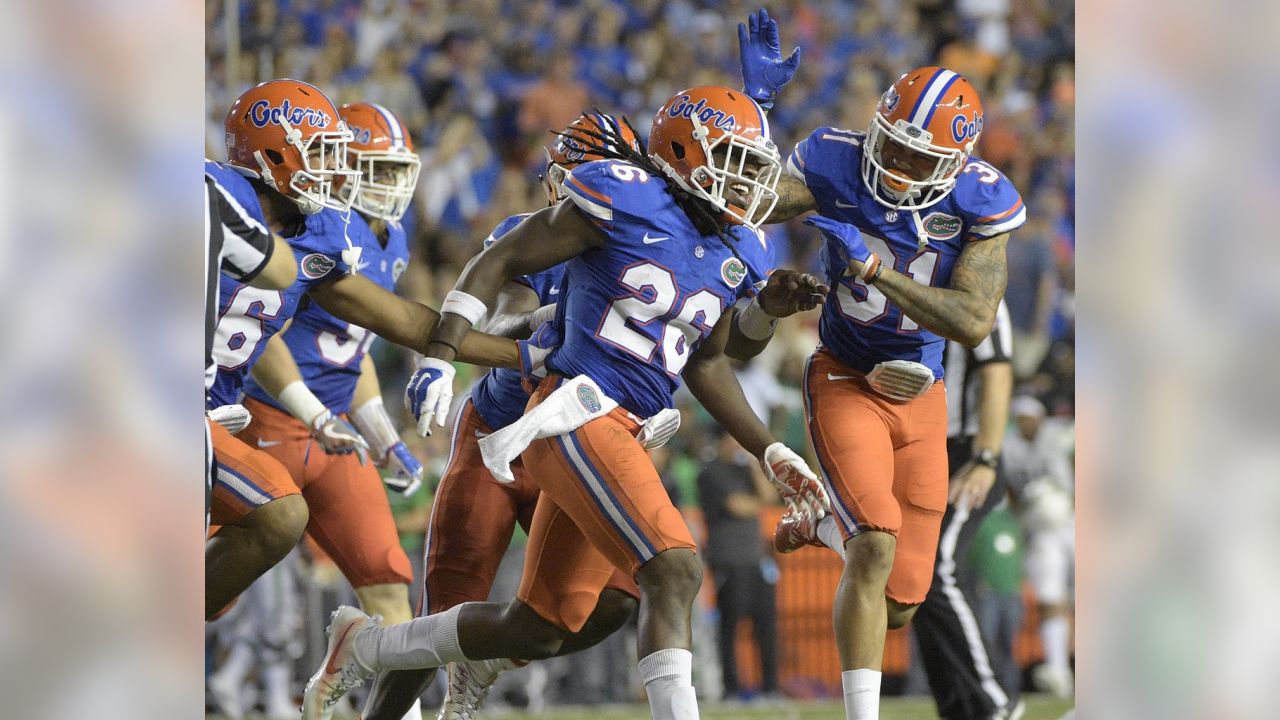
[754, 322]
[301, 402]
[465, 305]
[373, 422]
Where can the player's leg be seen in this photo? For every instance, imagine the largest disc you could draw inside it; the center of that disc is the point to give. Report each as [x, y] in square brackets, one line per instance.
[617, 603]
[262, 515]
[472, 518]
[850, 430]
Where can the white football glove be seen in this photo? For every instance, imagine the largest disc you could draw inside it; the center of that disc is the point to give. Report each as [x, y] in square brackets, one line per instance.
[337, 436]
[544, 314]
[232, 417]
[658, 429]
[795, 482]
[430, 392]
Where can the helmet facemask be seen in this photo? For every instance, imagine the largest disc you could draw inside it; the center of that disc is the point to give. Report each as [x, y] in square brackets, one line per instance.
[323, 161]
[552, 179]
[725, 180]
[388, 179]
[892, 187]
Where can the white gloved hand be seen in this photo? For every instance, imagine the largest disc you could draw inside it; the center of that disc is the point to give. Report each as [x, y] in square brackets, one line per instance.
[430, 392]
[658, 429]
[406, 470]
[795, 482]
[544, 314]
[232, 417]
[337, 436]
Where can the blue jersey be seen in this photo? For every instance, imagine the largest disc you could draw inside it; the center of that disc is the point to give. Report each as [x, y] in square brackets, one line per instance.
[499, 396]
[859, 325]
[328, 350]
[249, 316]
[642, 303]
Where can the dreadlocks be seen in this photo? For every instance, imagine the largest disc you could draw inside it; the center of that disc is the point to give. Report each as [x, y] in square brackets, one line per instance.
[610, 145]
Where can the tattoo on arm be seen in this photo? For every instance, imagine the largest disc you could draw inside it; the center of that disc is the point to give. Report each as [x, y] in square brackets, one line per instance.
[794, 199]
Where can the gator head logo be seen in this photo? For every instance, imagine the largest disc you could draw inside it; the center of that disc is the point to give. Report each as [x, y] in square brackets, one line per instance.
[262, 114]
[941, 226]
[733, 272]
[706, 115]
[316, 266]
[587, 396]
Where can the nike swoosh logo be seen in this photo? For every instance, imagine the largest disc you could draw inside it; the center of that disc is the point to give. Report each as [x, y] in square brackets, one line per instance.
[329, 667]
[268, 443]
[841, 377]
[843, 205]
[481, 434]
[554, 291]
[651, 240]
[328, 431]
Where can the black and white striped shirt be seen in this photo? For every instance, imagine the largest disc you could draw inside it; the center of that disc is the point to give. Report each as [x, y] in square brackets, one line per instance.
[961, 366]
[235, 243]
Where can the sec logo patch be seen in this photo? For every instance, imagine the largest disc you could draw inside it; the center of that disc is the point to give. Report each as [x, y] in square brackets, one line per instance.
[316, 265]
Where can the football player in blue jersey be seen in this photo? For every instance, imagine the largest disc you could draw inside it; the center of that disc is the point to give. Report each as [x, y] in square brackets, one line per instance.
[287, 150]
[659, 250]
[474, 515]
[915, 230]
[318, 369]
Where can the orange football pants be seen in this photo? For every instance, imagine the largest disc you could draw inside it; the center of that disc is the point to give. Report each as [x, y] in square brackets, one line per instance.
[350, 515]
[472, 519]
[885, 465]
[602, 508]
[245, 478]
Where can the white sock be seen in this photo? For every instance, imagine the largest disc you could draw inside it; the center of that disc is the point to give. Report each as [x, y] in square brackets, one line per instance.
[1055, 635]
[830, 535]
[861, 694]
[425, 642]
[668, 681]
[415, 712]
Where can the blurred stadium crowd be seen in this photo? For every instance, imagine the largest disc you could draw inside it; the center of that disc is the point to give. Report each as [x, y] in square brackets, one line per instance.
[481, 82]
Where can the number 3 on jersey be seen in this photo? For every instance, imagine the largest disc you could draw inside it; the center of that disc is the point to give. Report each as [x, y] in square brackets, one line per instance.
[654, 294]
[874, 305]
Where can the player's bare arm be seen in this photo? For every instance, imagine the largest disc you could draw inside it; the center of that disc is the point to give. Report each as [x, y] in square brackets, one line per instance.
[964, 312]
[361, 301]
[512, 311]
[281, 269]
[711, 380]
[545, 239]
[787, 293]
[794, 199]
[275, 368]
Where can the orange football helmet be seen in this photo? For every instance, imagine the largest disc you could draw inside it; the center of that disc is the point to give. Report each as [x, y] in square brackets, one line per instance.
[289, 134]
[921, 136]
[714, 143]
[569, 150]
[382, 151]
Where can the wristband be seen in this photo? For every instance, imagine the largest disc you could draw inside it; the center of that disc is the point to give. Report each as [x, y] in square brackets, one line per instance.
[373, 422]
[988, 458]
[871, 269]
[301, 402]
[754, 322]
[465, 305]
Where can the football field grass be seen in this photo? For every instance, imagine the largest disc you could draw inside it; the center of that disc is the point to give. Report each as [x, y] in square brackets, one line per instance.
[891, 708]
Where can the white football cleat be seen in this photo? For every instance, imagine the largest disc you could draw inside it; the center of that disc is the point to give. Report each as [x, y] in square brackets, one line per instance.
[469, 683]
[341, 670]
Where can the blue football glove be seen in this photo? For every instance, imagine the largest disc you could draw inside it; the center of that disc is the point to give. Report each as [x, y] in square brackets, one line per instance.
[429, 393]
[764, 72]
[845, 237]
[406, 471]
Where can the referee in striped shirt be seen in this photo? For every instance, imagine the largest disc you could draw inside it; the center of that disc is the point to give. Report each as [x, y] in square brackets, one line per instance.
[236, 244]
[979, 385]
